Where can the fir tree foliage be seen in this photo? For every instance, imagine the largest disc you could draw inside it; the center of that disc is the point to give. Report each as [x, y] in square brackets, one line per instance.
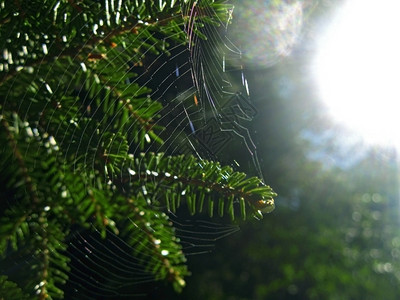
[70, 117]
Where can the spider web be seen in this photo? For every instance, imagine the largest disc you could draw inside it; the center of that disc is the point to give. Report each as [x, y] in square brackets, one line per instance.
[206, 112]
[205, 96]
[107, 269]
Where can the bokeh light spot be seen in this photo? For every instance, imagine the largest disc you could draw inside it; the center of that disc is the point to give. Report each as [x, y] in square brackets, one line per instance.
[267, 30]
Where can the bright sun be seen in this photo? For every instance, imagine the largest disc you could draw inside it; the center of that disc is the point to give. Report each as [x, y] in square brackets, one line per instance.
[358, 69]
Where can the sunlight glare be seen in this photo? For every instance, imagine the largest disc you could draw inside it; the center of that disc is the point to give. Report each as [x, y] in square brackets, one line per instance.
[357, 70]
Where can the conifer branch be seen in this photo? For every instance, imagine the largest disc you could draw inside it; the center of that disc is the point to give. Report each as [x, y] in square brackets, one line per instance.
[13, 144]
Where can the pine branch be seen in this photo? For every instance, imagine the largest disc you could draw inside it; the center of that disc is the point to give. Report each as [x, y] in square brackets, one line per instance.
[132, 25]
[166, 260]
[187, 178]
[23, 170]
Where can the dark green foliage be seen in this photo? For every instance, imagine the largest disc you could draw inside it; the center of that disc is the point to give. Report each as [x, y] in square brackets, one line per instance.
[70, 117]
[10, 290]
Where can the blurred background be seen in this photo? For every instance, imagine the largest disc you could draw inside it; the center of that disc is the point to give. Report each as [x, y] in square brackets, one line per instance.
[323, 77]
